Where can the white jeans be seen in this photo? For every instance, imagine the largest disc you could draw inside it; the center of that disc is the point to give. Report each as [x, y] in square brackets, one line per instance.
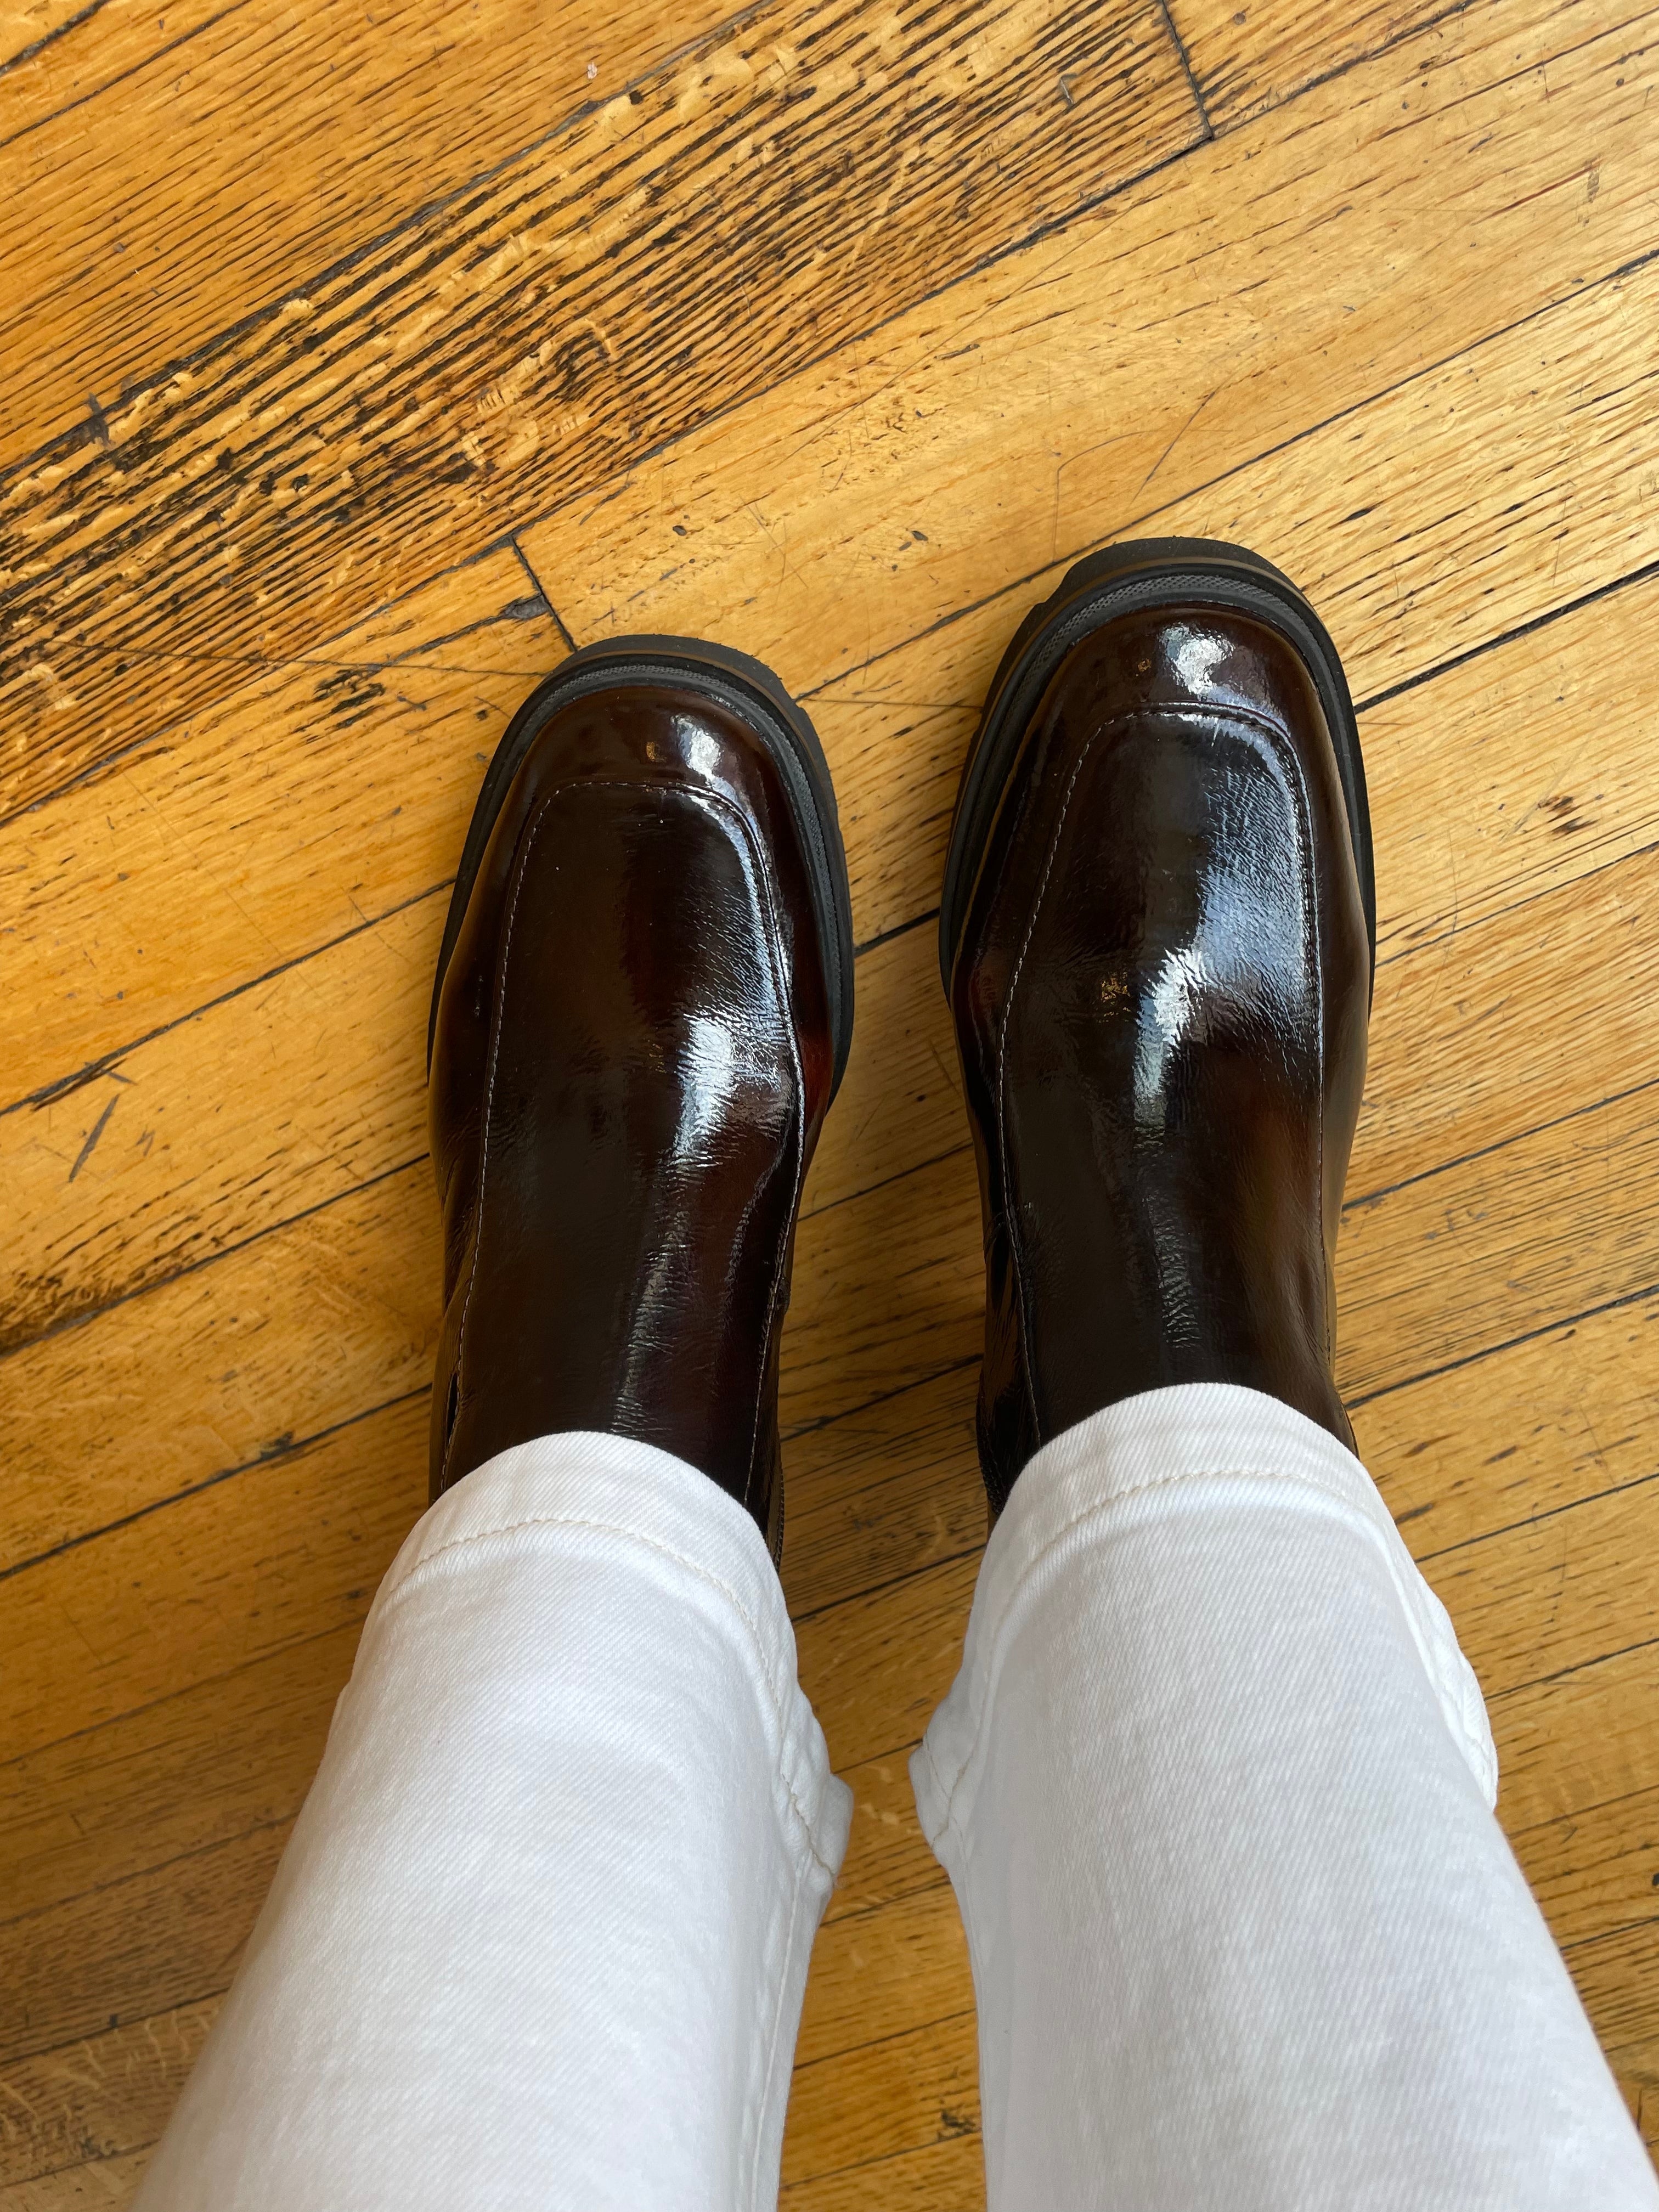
[1213, 1787]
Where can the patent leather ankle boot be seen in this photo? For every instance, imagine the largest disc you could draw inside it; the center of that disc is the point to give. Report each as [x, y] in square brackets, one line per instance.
[1157, 935]
[643, 1009]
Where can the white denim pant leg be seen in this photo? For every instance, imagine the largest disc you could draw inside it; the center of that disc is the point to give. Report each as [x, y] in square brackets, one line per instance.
[1213, 1786]
[540, 1936]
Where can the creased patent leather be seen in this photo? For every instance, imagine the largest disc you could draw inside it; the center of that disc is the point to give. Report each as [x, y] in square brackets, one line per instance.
[631, 1062]
[1161, 997]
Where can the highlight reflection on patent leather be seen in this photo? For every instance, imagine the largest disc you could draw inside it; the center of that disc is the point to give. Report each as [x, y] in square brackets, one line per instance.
[1161, 992]
[633, 1051]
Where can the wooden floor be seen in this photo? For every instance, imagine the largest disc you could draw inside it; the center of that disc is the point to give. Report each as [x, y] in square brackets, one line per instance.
[356, 363]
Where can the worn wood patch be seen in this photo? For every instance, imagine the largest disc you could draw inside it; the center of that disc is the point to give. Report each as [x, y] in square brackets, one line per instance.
[1248, 59]
[99, 2098]
[688, 240]
[294, 136]
[106, 2185]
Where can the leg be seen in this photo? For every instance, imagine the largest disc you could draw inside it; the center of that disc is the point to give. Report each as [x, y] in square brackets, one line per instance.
[540, 1936]
[1213, 1787]
[1214, 1784]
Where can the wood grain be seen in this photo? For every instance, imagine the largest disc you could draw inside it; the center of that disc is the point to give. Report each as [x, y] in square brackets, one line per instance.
[172, 1936]
[1248, 58]
[322, 793]
[1275, 281]
[1551, 1420]
[287, 1337]
[679, 244]
[950, 2174]
[98, 874]
[148, 1618]
[105, 2185]
[142, 264]
[98, 2098]
[59, 54]
[894, 2095]
[169, 1779]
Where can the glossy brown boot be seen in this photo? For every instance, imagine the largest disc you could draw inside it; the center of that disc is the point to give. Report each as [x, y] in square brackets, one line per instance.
[1157, 935]
[643, 1006]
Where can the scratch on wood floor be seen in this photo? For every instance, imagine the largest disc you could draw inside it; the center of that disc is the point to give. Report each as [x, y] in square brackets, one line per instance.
[94, 1135]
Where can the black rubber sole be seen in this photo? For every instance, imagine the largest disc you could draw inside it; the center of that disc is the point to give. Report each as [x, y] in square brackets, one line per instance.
[1123, 579]
[743, 687]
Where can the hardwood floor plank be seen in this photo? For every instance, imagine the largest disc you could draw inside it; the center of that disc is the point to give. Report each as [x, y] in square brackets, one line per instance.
[273, 172]
[785, 185]
[883, 1491]
[282, 1341]
[900, 2094]
[26, 25]
[945, 2176]
[171, 1779]
[1539, 1425]
[1569, 1742]
[876, 1975]
[1593, 1874]
[1275, 280]
[1596, 1556]
[1494, 1225]
[1514, 772]
[1636, 2067]
[60, 54]
[1247, 59]
[1616, 1978]
[887, 1858]
[275, 1100]
[321, 793]
[104, 2185]
[98, 2099]
[157, 1941]
[136, 1615]
[1466, 1046]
